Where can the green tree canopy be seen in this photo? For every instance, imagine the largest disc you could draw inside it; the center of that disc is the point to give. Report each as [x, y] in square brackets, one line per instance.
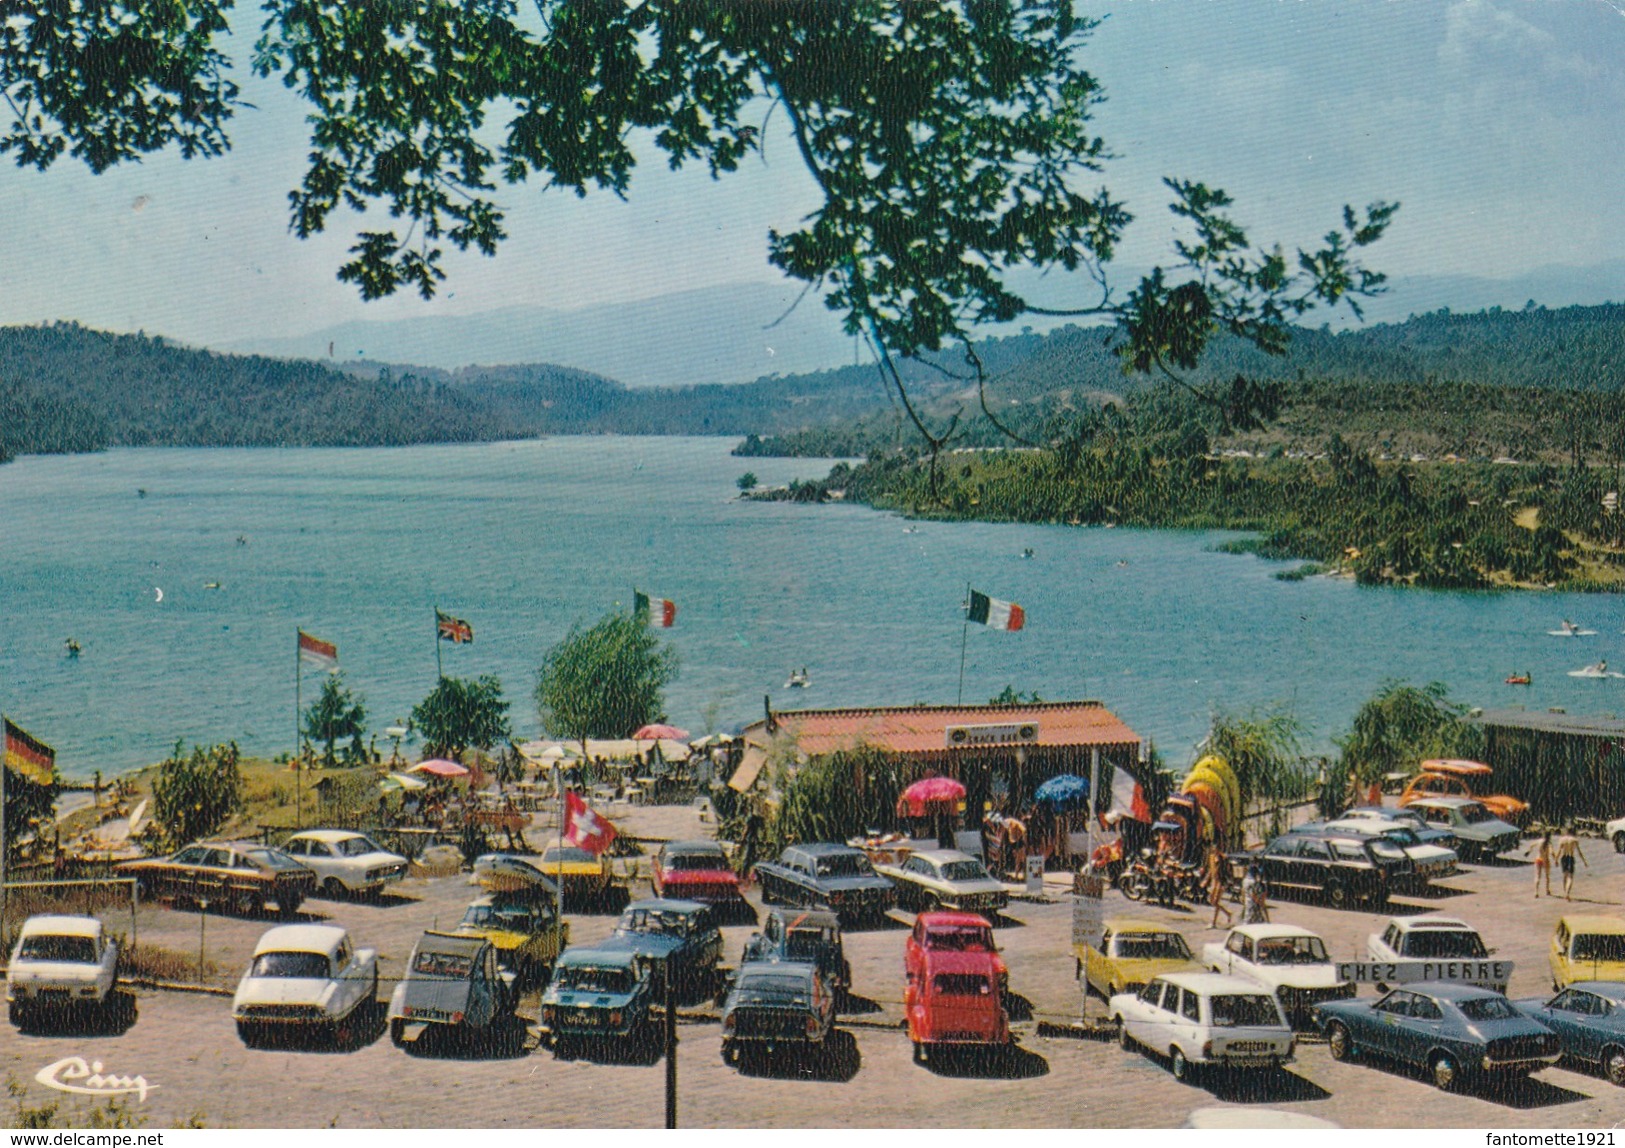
[834, 797]
[335, 716]
[604, 681]
[946, 141]
[193, 794]
[27, 803]
[1264, 748]
[1400, 726]
[462, 712]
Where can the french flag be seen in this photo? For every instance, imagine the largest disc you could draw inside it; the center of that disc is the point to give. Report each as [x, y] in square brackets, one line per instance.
[995, 614]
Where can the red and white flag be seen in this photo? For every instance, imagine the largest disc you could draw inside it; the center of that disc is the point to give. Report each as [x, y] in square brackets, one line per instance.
[1128, 798]
[583, 828]
[315, 652]
[660, 612]
[995, 614]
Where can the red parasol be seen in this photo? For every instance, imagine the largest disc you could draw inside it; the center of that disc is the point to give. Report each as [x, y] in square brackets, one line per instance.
[930, 795]
[658, 732]
[440, 767]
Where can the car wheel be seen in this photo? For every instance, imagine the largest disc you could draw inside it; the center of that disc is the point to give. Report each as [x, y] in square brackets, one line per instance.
[1340, 1042]
[397, 1032]
[333, 889]
[1337, 894]
[1613, 1064]
[1124, 1040]
[1445, 1073]
[286, 908]
[248, 1033]
[19, 1015]
[1619, 842]
[1180, 1067]
[921, 1056]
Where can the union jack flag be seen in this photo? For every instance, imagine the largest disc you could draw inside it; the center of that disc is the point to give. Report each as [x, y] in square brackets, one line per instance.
[453, 629]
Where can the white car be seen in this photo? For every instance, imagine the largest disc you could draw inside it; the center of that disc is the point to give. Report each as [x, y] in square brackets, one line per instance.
[59, 962]
[1198, 1020]
[1615, 832]
[1430, 938]
[1288, 960]
[345, 862]
[303, 977]
[1429, 862]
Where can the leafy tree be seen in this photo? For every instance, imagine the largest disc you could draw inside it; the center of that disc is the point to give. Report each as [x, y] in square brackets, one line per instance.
[462, 712]
[1400, 726]
[1010, 696]
[27, 803]
[334, 716]
[604, 681]
[747, 481]
[1264, 750]
[837, 796]
[945, 141]
[193, 794]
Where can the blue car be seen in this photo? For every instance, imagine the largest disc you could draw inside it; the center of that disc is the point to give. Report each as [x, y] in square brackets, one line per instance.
[1456, 1032]
[1589, 1020]
[595, 995]
[679, 939]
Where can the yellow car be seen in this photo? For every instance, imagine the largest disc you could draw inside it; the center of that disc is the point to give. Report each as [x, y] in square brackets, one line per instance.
[1130, 954]
[583, 877]
[527, 936]
[1587, 949]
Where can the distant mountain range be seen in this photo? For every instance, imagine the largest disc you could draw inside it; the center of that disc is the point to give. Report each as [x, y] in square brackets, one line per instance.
[746, 331]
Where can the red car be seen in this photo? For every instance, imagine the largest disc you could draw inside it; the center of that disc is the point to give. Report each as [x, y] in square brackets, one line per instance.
[956, 984]
[698, 871]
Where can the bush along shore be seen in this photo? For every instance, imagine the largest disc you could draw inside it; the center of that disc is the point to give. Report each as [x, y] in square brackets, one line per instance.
[1445, 524]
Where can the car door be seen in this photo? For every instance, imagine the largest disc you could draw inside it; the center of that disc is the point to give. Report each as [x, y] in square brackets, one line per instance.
[1094, 963]
[1424, 1030]
[1237, 955]
[212, 881]
[1569, 1014]
[1384, 1028]
[1313, 863]
[1143, 1017]
[1187, 1026]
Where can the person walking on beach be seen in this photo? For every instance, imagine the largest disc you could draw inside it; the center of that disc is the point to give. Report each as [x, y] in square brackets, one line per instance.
[1542, 850]
[1213, 877]
[1568, 848]
[1255, 908]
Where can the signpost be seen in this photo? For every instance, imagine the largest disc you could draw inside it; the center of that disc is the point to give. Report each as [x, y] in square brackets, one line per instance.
[1488, 973]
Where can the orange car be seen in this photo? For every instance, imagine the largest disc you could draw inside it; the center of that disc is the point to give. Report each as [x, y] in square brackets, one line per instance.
[1455, 777]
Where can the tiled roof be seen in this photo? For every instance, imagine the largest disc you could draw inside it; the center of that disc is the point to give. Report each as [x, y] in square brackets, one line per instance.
[923, 729]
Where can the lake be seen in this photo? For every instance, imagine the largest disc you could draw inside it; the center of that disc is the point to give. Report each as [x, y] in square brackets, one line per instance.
[524, 539]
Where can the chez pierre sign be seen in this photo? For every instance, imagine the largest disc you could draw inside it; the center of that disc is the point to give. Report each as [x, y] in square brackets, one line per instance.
[999, 733]
[1409, 972]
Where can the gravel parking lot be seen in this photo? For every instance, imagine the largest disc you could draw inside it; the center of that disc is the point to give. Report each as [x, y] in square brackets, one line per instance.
[185, 1044]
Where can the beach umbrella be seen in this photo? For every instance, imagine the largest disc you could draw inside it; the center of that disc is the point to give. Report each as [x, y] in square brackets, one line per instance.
[930, 795]
[402, 781]
[659, 732]
[440, 767]
[1063, 793]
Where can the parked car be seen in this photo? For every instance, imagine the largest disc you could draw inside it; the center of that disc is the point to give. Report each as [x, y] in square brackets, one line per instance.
[595, 995]
[1202, 1020]
[453, 987]
[1615, 832]
[345, 862]
[1457, 777]
[1458, 1033]
[1587, 948]
[776, 1006]
[834, 877]
[526, 932]
[1428, 862]
[955, 984]
[1130, 954]
[240, 876]
[303, 977]
[1480, 835]
[582, 877]
[699, 871]
[945, 879]
[60, 964]
[1589, 1020]
[802, 935]
[679, 939]
[1427, 834]
[1343, 869]
[1289, 961]
[1430, 938]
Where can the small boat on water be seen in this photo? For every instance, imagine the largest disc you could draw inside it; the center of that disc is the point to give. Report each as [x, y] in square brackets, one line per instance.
[1519, 679]
[509, 873]
[799, 680]
[1595, 670]
[1568, 629]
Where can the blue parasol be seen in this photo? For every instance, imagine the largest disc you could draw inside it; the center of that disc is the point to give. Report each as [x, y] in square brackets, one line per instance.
[1063, 793]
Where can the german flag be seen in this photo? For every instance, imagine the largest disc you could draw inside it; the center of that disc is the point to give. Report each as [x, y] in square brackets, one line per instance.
[29, 756]
[452, 629]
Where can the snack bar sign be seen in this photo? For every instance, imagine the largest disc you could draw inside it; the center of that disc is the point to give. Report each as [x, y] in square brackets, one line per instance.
[1409, 972]
[1002, 733]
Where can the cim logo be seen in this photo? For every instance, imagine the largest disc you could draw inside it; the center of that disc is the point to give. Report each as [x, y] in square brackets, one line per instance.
[73, 1074]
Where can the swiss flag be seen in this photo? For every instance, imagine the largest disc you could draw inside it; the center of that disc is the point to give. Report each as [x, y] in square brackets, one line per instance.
[583, 828]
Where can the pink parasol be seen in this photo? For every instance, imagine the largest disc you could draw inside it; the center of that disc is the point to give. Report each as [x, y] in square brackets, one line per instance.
[440, 767]
[930, 795]
[658, 732]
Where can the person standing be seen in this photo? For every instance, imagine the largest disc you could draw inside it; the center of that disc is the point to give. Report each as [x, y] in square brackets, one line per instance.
[1213, 877]
[1568, 848]
[1255, 909]
[1542, 850]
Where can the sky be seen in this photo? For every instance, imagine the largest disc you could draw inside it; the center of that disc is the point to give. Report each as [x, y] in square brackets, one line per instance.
[1495, 123]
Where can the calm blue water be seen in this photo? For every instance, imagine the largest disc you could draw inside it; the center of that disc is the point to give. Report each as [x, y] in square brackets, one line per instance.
[523, 539]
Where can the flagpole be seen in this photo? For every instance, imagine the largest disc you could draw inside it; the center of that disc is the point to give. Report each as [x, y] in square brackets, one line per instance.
[964, 640]
[298, 773]
[558, 916]
[439, 674]
[5, 842]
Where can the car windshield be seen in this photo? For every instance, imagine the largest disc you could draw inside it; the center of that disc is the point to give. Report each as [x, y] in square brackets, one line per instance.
[356, 846]
[806, 943]
[1487, 1008]
[436, 964]
[962, 985]
[661, 922]
[1238, 1011]
[567, 854]
[1385, 849]
[964, 938]
[306, 965]
[1598, 947]
[1291, 951]
[594, 979]
[1402, 835]
[1473, 814]
[518, 919]
[47, 947]
[687, 861]
[1448, 943]
[270, 859]
[1153, 947]
[964, 871]
[843, 865]
[773, 984]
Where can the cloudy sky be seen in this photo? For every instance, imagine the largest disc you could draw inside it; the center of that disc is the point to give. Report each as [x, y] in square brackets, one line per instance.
[1495, 122]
